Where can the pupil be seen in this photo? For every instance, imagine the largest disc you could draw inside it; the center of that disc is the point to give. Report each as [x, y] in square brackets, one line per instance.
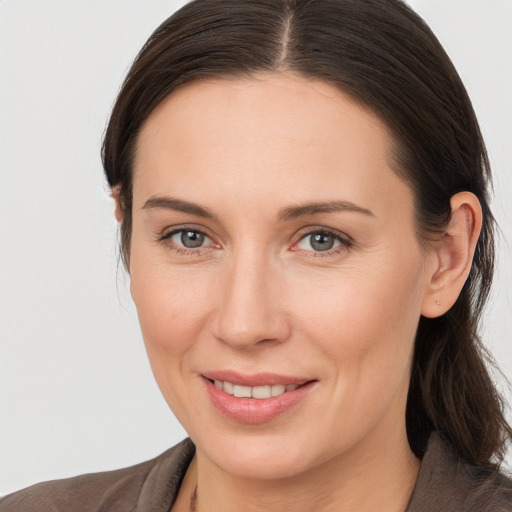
[192, 239]
[322, 242]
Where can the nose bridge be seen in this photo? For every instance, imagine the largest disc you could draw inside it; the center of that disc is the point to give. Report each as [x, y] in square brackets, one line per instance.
[249, 310]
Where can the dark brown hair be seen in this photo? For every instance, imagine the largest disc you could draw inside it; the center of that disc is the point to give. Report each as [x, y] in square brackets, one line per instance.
[385, 57]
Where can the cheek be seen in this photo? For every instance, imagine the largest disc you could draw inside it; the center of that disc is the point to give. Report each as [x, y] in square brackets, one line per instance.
[172, 305]
[365, 321]
[365, 329]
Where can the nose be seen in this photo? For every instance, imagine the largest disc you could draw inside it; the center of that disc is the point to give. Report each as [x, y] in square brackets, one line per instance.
[250, 308]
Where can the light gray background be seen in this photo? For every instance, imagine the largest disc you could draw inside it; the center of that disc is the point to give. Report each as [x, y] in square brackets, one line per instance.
[76, 392]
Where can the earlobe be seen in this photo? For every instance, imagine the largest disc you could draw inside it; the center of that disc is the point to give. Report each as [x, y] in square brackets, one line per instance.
[452, 256]
[116, 195]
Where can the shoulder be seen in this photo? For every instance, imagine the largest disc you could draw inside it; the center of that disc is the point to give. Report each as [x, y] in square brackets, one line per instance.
[446, 482]
[150, 485]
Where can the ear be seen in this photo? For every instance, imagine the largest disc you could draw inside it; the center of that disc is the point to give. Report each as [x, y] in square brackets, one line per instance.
[452, 256]
[115, 192]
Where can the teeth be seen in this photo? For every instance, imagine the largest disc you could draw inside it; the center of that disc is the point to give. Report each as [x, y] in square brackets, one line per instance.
[242, 391]
[261, 392]
[228, 387]
[278, 389]
[258, 392]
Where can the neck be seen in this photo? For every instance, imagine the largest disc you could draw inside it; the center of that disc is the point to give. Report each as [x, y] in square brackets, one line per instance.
[380, 476]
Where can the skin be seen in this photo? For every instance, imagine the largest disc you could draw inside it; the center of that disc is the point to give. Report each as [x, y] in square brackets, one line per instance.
[257, 297]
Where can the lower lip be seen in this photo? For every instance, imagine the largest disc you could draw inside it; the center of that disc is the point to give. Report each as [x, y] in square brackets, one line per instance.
[254, 410]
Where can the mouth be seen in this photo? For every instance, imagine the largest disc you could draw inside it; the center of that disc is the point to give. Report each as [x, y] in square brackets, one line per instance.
[255, 399]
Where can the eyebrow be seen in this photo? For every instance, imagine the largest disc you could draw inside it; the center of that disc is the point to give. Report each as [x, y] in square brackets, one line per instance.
[179, 205]
[294, 212]
[291, 212]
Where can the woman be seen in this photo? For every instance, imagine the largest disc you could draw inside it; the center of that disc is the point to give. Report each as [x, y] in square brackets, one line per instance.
[302, 193]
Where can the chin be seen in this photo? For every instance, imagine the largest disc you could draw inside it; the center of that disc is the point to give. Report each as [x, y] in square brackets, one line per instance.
[277, 453]
[259, 459]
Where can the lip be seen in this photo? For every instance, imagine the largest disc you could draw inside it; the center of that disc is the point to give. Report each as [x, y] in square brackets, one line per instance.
[250, 410]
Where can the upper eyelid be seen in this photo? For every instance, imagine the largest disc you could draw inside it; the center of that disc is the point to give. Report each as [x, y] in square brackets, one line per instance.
[169, 232]
[304, 232]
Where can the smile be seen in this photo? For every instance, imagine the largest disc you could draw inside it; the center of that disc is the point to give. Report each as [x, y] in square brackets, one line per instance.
[255, 399]
[258, 392]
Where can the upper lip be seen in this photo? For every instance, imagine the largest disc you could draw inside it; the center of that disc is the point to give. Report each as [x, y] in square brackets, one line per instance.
[252, 380]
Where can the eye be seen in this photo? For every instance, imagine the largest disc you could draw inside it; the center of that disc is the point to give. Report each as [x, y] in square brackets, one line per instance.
[187, 239]
[321, 241]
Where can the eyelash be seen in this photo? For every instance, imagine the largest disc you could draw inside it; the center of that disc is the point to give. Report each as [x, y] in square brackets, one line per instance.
[166, 239]
[344, 242]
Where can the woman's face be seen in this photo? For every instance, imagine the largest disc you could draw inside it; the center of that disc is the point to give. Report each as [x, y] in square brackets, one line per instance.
[274, 247]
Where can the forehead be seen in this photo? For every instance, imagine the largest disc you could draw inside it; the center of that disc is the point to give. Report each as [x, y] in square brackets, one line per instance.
[264, 135]
[285, 106]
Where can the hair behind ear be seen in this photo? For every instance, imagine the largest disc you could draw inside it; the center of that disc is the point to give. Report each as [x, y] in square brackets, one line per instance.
[451, 390]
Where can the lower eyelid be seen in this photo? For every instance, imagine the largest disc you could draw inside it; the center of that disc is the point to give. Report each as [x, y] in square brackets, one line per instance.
[342, 248]
[337, 252]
